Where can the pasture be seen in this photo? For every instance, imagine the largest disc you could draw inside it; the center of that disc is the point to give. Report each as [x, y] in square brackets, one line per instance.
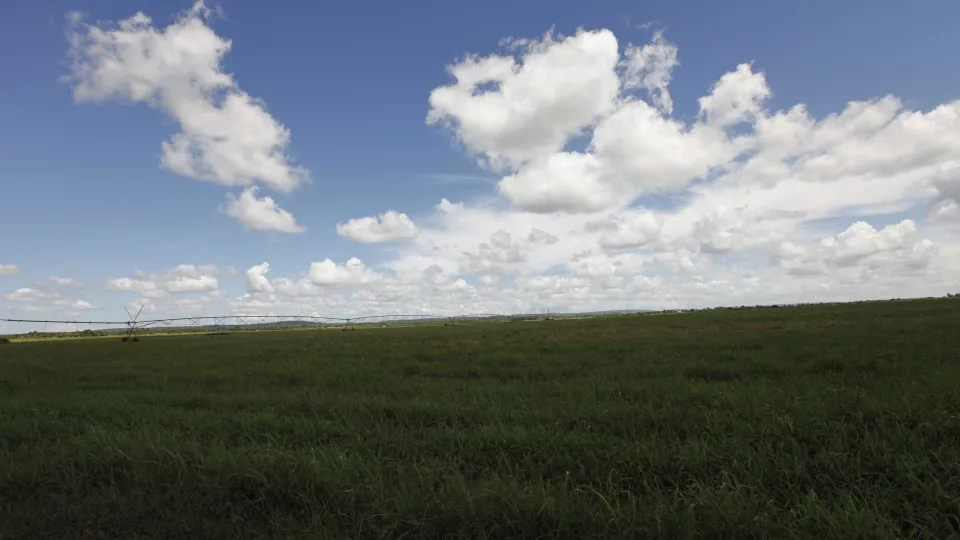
[822, 421]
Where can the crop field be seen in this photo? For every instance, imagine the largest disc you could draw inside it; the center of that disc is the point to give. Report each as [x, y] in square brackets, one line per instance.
[832, 421]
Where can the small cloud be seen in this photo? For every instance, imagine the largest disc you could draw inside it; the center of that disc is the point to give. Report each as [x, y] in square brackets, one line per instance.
[257, 280]
[185, 278]
[83, 305]
[29, 294]
[260, 214]
[649, 67]
[387, 227]
[9, 270]
[538, 236]
[353, 272]
[65, 281]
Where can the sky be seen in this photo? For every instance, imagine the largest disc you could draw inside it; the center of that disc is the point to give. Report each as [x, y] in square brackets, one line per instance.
[348, 159]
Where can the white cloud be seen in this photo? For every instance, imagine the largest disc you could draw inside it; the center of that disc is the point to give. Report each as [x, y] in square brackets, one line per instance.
[740, 205]
[423, 281]
[295, 287]
[65, 281]
[649, 67]
[628, 230]
[634, 150]
[9, 270]
[737, 97]
[946, 205]
[725, 230]
[862, 240]
[539, 236]
[194, 271]
[872, 158]
[389, 226]
[524, 125]
[30, 294]
[567, 181]
[744, 186]
[83, 305]
[191, 284]
[35, 300]
[945, 210]
[556, 88]
[862, 253]
[886, 158]
[260, 213]
[642, 151]
[257, 278]
[185, 278]
[497, 256]
[353, 272]
[225, 135]
[142, 286]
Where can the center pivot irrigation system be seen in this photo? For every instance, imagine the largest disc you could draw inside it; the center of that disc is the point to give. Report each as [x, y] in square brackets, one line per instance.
[134, 326]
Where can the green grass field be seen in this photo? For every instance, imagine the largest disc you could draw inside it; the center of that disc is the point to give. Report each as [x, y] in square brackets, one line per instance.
[837, 421]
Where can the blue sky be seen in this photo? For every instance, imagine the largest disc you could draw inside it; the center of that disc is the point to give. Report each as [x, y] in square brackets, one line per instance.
[86, 195]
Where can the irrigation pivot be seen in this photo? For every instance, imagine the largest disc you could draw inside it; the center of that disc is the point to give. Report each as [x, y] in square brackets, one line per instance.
[132, 325]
